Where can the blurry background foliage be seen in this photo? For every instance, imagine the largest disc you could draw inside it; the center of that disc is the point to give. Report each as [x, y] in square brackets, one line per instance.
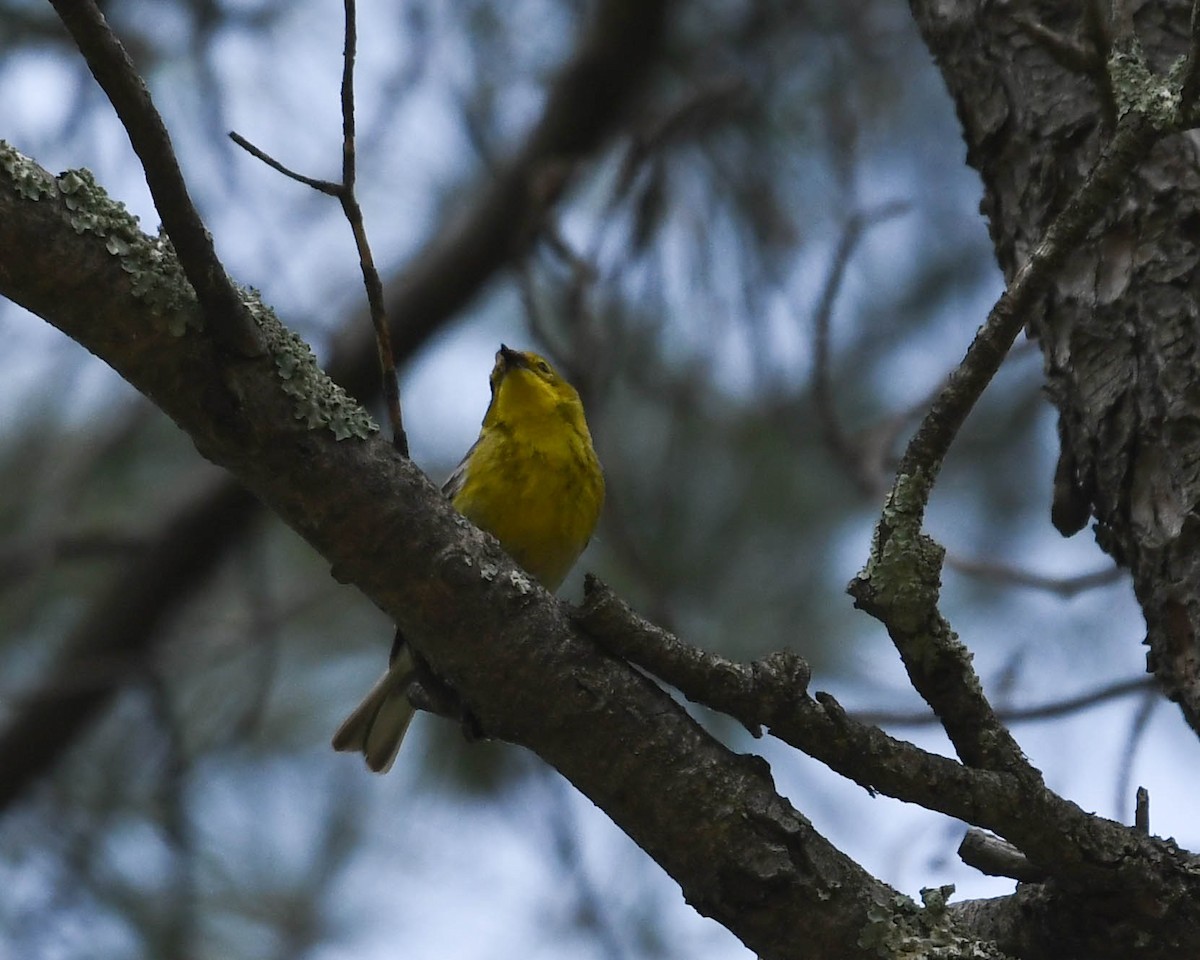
[679, 286]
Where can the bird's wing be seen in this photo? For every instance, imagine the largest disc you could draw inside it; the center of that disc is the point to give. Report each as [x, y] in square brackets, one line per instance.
[454, 483]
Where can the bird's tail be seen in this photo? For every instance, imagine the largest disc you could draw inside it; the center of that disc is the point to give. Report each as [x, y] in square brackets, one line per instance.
[377, 726]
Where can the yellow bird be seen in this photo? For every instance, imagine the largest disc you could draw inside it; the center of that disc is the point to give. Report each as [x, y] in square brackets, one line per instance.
[531, 480]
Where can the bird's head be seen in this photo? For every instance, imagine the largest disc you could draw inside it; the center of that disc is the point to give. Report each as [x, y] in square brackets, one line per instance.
[526, 388]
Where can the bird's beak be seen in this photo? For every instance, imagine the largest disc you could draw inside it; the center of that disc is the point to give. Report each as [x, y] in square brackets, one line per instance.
[511, 358]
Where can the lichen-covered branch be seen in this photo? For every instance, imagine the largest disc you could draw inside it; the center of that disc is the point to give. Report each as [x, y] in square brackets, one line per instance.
[223, 311]
[901, 581]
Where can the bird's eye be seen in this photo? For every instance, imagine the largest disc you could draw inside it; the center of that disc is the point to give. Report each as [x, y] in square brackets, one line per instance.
[543, 367]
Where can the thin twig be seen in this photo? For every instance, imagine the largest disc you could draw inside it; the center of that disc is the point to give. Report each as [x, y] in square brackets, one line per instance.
[1045, 711]
[832, 431]
[350, 206]
[323, 186]
[1015, 576]
[923, 458]
[226, 317]
[345, 194]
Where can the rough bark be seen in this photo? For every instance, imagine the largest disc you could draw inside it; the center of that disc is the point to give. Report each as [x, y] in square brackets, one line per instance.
[1118, 327]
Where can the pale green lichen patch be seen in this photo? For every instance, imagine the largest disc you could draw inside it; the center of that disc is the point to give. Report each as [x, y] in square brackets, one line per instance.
[318, 401]
[29, 179]
[900, 930]
[905, 565]
[1137, 88]
[153, 268]
[150, 262]
[906, 577]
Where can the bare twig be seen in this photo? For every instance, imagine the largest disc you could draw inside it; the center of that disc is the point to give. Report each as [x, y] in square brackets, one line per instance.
[387, 359]
[225, 315]
[832, 431]
[1015, 576]
[345, 194]
[327, 187]
[1045, 711]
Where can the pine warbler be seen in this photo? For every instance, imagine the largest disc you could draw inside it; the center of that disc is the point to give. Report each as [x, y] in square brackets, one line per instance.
[531, 480]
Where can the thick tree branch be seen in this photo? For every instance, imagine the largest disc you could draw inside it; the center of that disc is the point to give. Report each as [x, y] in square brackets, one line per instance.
[1088, 856]
[1063, 840]
[710, 817]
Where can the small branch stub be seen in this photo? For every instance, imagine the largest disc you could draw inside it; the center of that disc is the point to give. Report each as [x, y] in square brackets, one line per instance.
[989, 854]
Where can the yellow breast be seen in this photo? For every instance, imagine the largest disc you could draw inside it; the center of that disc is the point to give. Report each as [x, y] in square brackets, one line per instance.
[539, 492]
